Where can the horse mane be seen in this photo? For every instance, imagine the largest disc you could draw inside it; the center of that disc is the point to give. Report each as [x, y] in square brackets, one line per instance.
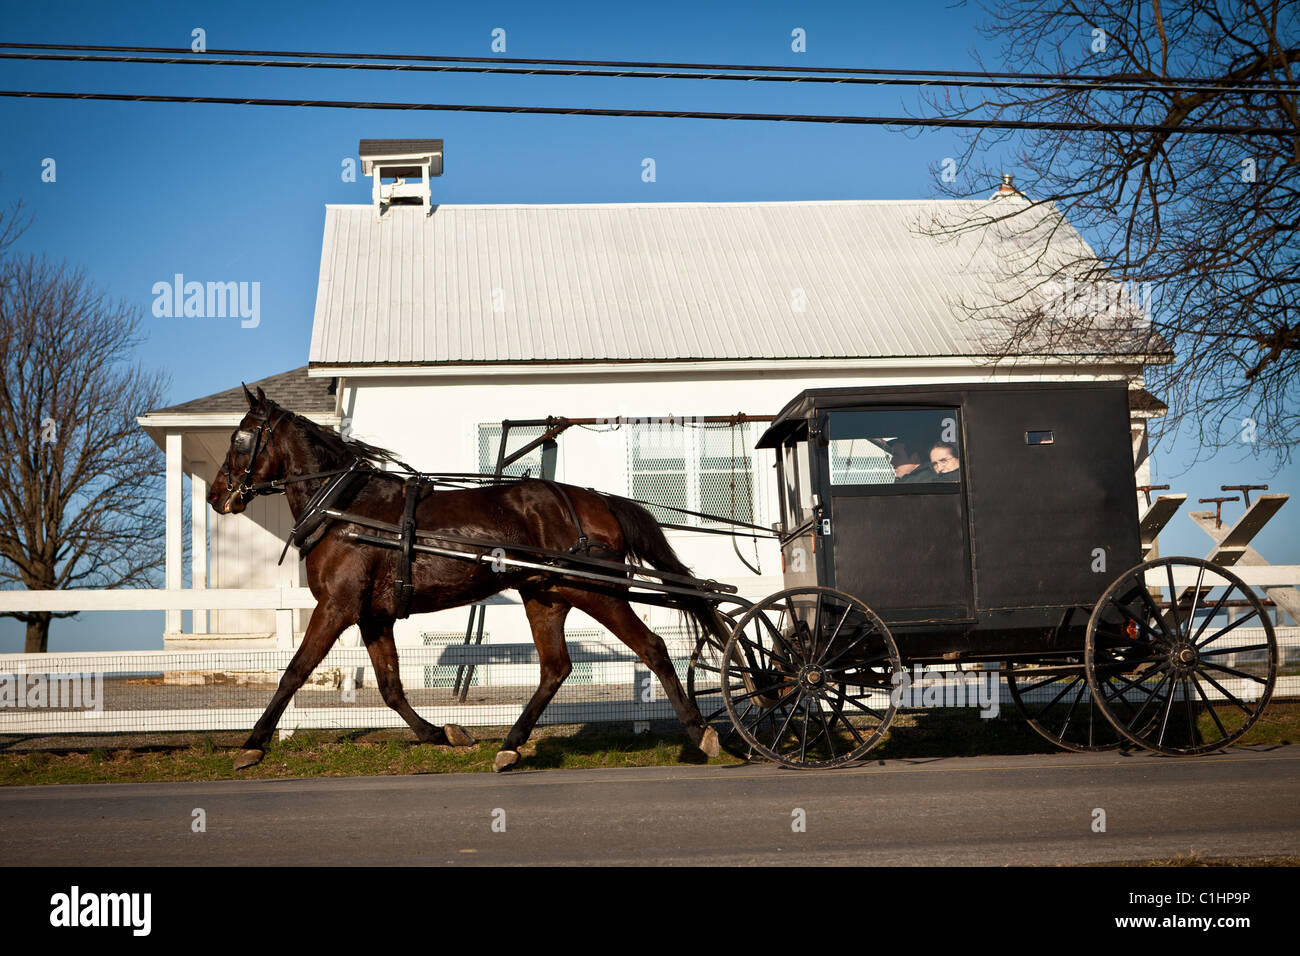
[346, 447]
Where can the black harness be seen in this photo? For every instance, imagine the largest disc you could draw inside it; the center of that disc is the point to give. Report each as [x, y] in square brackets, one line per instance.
[404, 585]
[322, 509]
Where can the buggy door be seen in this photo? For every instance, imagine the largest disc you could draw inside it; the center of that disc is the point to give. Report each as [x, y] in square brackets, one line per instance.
[895, 488]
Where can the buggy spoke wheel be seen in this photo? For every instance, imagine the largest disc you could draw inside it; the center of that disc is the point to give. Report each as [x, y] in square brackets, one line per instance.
[1055, 700]
[704, 687]
[821, 666]
[1166, 668]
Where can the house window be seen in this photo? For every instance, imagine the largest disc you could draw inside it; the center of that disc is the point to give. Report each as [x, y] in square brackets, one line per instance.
[489, 442]
[705, 468]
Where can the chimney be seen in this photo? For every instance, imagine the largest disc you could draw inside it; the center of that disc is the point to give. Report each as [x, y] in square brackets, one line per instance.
[400, 160]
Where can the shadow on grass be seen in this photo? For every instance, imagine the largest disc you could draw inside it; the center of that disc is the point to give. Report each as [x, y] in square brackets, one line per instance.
[596, 745]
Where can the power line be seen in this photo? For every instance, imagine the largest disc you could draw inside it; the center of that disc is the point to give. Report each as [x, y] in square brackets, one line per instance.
[1078, 84]
[1099, 86]
[183, 52]
[668, 114]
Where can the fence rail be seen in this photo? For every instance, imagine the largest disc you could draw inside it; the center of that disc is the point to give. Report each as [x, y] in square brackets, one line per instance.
[135, 692]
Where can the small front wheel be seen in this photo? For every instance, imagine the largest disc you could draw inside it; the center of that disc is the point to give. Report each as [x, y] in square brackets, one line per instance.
[808, 678]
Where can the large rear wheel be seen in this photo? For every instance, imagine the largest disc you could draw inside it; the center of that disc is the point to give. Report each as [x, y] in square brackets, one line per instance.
[1054, 698]
[1167, 668]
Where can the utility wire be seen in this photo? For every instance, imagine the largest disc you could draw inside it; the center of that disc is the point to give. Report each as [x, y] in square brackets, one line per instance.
[1081, 84]
[670, 114]
[1179, 82]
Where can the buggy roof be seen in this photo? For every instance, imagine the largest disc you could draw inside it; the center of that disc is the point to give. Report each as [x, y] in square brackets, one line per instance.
[805, 406]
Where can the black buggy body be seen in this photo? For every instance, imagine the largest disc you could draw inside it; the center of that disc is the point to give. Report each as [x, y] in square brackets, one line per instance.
[992, 559]
[990, 531]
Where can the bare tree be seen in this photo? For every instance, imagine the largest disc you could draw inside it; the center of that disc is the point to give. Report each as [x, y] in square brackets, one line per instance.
[1203, 228]
[80, 482]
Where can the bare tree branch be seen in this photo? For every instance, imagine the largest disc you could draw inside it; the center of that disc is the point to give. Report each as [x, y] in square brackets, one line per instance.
[1204, 228]
[80, 483]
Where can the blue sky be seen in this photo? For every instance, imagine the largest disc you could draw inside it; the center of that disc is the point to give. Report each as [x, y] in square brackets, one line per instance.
[144, 191]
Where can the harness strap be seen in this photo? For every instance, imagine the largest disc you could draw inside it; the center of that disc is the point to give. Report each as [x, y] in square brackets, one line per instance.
[309, 529]
[582, 545]
[404, 586]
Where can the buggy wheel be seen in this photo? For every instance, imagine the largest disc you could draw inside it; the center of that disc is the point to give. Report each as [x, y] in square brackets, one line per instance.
[808, 676]
[704, 681]
[1168, 683]
[1055, 699]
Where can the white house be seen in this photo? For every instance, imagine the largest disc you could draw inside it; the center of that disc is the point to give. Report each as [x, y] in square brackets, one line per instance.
[434, 323]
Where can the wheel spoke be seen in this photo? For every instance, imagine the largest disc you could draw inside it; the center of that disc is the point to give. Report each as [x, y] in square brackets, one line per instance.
[1069, 715]
[1155, 613]
[1224, 630]
[1151, 695]
[830, 642]
[750, 695]
[1224, 691]
[1236, 650]
[786, 723]
[1214, 611]
[1173, 600]
[1169, 706]
[1223, 732]
[1235, 673]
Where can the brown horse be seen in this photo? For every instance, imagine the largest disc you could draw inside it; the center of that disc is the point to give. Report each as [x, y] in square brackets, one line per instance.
[356, 583]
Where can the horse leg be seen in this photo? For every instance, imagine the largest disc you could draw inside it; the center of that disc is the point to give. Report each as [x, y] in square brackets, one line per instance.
[619, 617]
[377, 633]
[546, 617]
[327, 623]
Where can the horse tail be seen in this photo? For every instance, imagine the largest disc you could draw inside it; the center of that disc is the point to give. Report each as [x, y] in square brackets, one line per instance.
[644, 542]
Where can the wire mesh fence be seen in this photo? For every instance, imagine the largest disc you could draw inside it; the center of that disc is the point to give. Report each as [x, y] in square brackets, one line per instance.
[446, 679]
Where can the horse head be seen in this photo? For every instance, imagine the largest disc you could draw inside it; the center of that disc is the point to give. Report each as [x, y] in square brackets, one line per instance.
[254, 457]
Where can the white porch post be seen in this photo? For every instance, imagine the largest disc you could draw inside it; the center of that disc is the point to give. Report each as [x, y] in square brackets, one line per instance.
[175, 516]
[288, 578]
[199, 538]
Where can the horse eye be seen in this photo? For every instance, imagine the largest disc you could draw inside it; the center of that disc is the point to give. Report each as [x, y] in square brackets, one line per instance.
[243, 442]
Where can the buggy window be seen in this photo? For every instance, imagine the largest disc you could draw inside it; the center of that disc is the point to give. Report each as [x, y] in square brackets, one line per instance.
[912, 447]
[798, 483]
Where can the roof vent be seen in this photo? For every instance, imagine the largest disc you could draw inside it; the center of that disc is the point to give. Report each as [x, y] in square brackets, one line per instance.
[1006, 189]
[400, 160]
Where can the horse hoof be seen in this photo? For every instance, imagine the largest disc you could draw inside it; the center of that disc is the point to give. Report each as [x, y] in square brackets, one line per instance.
[709, 743]
[505, 759]
[458, 736]
[247, 758]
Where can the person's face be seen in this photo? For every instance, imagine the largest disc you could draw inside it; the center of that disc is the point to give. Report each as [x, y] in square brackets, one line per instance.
[904, 461]
[943, 461]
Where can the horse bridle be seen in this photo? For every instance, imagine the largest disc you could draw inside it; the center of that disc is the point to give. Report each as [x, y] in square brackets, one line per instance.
[249, 441]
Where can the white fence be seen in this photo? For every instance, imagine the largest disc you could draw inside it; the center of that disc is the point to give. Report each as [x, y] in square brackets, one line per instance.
[222, 690]
[168, 691]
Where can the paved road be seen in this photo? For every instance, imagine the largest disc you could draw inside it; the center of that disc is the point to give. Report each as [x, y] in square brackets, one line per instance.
[981, 810]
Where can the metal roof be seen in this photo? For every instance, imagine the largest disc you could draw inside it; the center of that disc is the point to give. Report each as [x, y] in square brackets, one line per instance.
[649, 282]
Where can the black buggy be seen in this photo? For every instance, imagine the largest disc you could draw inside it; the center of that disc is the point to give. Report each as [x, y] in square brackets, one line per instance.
[992, 527]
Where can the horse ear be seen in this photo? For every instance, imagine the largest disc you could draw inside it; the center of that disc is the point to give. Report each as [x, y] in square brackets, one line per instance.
[252, 402]
[261, 395]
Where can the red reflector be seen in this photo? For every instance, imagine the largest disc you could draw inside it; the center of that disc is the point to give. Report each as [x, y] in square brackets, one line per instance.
[1131, 629]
